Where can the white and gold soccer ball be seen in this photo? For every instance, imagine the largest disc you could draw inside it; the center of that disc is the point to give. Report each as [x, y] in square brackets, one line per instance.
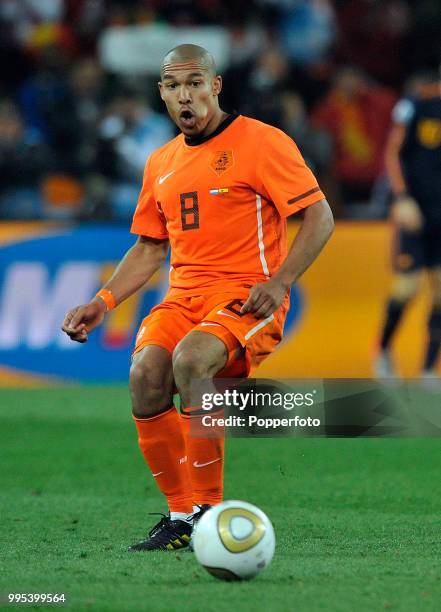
[234, 540]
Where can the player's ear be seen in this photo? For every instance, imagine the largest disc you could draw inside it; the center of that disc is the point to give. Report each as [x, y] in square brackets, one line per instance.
[160, 86]
[217, 85]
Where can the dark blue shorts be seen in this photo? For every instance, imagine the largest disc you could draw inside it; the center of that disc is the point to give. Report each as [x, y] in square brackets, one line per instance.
[413, 251]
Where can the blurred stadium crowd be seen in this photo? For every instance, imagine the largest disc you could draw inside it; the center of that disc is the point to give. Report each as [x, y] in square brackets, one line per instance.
[75, 133]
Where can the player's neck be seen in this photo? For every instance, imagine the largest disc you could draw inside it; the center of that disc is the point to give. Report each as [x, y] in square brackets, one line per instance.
[214, 123]
[216, 128]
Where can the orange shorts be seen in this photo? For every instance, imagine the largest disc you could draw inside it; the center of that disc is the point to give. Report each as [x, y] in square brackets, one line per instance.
[217, 313]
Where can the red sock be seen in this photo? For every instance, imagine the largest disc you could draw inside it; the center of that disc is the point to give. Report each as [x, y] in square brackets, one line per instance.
[205, 465]
[163, 446]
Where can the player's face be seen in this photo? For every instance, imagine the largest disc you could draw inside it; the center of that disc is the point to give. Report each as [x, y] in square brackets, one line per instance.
[190, 93]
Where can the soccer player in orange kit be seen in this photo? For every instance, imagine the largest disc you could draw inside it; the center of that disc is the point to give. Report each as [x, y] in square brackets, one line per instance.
[219, 194]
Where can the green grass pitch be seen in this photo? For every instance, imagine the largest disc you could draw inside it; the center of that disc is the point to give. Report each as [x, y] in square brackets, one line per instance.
[358, 521]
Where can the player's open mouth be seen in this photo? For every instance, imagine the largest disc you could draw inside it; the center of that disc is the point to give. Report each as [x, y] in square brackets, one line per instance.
[187, 119]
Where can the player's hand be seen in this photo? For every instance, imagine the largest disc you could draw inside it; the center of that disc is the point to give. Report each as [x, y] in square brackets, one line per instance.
[83, 319]
[265, 298]
[407, 214]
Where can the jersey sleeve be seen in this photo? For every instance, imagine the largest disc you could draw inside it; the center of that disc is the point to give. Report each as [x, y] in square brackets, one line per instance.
[283, 176]
[148, 219]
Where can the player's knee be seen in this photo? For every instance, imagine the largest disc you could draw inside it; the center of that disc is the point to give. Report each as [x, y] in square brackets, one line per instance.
[403, 298]
[406, 287]
[149, 392]
[405, 294]
[190, 365]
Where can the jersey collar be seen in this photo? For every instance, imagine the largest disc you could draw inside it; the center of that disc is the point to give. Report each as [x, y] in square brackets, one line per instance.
[192, 141]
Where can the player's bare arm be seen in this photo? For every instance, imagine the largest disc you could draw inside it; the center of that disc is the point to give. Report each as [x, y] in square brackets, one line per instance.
[315, 231]
[138, 265]
[405, 211]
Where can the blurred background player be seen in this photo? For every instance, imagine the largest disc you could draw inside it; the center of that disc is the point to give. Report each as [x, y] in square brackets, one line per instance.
[413, 159]
[224, 212]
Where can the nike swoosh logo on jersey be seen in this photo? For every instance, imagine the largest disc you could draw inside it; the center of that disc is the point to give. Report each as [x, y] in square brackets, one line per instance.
[198, 465]
[157, 473]
[225, 314]
[206, 324]
[165, 177]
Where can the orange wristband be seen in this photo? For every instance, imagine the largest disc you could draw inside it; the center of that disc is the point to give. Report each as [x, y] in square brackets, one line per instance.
[107, 297]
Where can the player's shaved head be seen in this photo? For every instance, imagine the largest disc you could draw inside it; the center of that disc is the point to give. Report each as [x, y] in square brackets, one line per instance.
[188, 56]
[190, 89]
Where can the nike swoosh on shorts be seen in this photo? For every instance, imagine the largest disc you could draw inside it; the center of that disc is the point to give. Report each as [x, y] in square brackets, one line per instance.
[225, 314]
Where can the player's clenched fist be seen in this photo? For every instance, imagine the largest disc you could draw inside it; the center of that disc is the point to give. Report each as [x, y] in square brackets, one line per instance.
[83, 319]
[265, 298]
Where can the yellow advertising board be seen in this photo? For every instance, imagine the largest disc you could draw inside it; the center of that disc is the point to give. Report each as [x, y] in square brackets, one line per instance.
[343, 296]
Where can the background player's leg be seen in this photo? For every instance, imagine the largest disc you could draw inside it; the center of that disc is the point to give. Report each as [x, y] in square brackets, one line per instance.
[434, 324]
[200, 356]
[405, 287]
[159, 429]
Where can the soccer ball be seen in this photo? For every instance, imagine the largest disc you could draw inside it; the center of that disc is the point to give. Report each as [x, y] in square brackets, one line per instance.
[234, 540]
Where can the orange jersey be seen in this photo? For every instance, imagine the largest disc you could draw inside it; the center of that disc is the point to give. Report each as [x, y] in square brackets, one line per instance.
[222, 202]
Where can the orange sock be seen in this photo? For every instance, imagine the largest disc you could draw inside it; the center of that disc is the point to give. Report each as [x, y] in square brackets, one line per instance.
[205, 465]
[163, 446]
